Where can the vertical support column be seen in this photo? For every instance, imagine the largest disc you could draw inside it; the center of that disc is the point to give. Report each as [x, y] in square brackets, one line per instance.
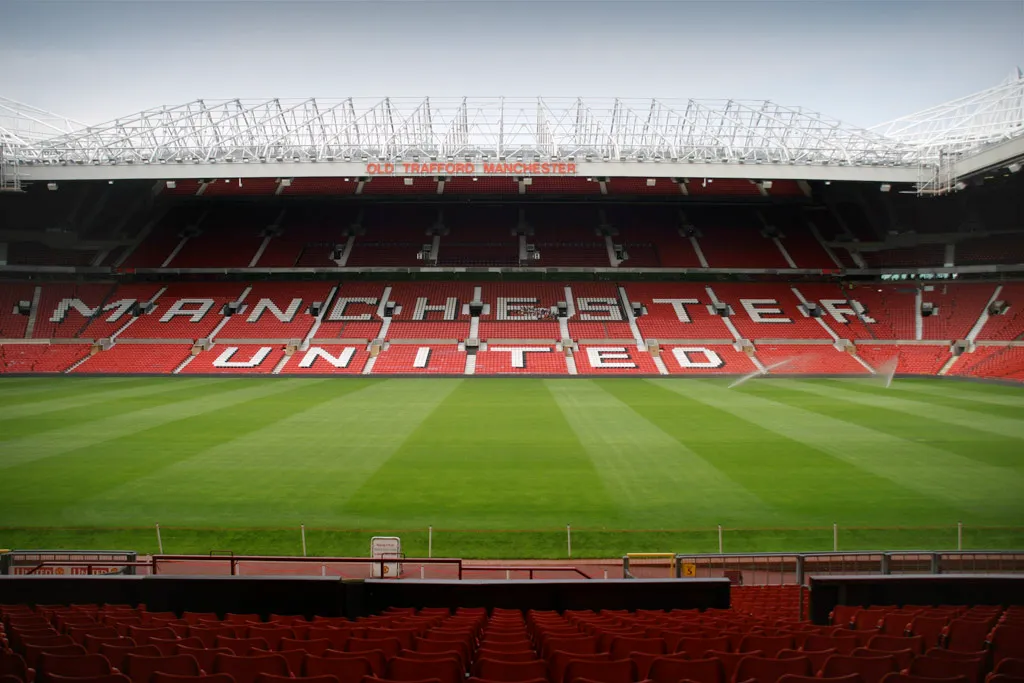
[885, 564]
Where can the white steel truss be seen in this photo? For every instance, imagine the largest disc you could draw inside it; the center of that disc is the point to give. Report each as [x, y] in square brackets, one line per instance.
[965, 125]
[472, 129]
[589, 131]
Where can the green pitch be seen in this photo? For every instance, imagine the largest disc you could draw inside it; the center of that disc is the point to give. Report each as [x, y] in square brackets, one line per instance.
[499, 466]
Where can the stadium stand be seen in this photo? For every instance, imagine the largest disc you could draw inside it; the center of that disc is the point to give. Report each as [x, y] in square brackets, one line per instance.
[992, 362]
[13, 325]
[227, 238]
[762, 637]
[614, 359]
[277, 310]
[136, 358]
[706, 359]
[437, 313]
[240, 359]
[327, 359]
[912, 360]
[808, 359]
[411, 358]
[185, 311]
[768, 311]
[519, 359]
[40, 358]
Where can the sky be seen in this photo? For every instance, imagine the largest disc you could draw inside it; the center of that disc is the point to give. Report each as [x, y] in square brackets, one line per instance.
[861, 61]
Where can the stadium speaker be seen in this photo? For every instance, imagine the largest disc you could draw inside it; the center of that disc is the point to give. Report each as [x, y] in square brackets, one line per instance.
[22, 308]
[562, 309]
[721, 308]
[812, 309]
[928, 309]
[315, 308]
[389, 309]
[998, 308]
[476, 308]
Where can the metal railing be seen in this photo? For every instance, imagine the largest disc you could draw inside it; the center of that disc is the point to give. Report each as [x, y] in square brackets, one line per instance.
[228, 564]
[794, 568]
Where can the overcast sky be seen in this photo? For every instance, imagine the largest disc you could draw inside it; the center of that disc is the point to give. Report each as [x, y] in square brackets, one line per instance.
[863, 62]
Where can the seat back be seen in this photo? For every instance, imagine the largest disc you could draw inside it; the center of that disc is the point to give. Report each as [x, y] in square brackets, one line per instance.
[620, 647]
[611, 671]
[141, 668]
[697, 648]
[871, 669]
[668, 670]
[71, 665]
[447, 670]
[510, 672]
[932, 667]
[769, 670]
[347, 668]
[245, 669]
[769, 645]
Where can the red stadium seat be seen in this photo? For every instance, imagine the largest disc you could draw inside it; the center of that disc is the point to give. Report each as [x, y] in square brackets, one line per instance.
[966, 635]
[140, 668]
[903, 657]
[698, 647]
[348, 669]
[206, 678]
[870, 669]
[102, 678]
[510, 672]
[770, 646]
[932, 667]
[444, 670]
[611, 671]
[770, 670]
[245, 669]
[671, 670]
[378, 660]
[74, 665]
[907, 678]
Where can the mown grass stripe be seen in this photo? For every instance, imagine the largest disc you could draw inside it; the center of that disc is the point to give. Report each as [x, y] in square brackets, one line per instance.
[302, 468]
[950, 389]
[70, 488]
[57, 441]
[475, 463]
[12, 430]
[102, 395]
[653, 476]
[49, 388]
[885, 401]
[933, 472]
[984, 447]
[305, 463]
[760, 459]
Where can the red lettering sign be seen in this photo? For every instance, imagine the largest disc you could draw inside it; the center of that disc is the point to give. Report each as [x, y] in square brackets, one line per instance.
[452, 168]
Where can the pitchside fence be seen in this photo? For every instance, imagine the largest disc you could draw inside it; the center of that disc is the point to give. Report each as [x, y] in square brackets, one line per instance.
[796, 568]
[559, 543]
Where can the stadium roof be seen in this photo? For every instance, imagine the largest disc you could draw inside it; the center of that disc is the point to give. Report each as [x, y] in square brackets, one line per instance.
[597, 137]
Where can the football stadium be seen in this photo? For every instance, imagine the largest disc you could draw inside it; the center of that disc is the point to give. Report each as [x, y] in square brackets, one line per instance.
[533, 390]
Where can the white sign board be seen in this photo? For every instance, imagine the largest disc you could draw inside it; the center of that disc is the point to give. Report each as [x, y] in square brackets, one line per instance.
[386, 547]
